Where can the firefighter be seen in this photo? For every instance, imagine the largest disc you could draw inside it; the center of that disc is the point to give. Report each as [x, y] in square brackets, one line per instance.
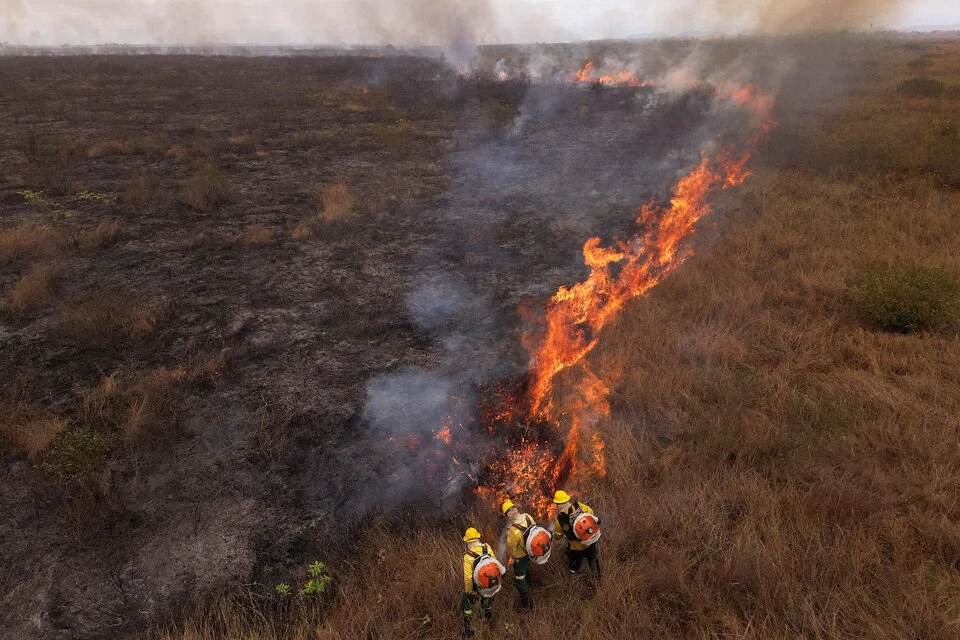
[482, 577]
[517, 526]
[577, 523]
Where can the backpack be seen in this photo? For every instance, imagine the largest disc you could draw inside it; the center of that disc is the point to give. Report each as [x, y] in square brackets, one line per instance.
[537, 541]
[580, 526]
[487, 573]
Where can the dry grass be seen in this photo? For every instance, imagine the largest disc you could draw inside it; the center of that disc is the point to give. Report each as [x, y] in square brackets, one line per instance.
[142, 188]
[334, 202]
[132, 404]
[128, 146]
[35, 288]
[775, 469]
[23, 429]
[29, 240]
[207, 189]
[257, 235]
[302, 231]
[247, 142]
[309, 139]
[395, 137]
[106, 232]
[109, 314]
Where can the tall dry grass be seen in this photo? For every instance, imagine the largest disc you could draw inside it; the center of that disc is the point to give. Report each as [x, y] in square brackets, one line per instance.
[35, 288]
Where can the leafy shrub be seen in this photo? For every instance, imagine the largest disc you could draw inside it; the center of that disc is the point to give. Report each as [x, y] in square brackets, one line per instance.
[904, 298]
[921, 88]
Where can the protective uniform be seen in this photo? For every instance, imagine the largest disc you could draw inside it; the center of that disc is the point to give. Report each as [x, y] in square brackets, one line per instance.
[576, 550]
[518, 525]
[475, 549]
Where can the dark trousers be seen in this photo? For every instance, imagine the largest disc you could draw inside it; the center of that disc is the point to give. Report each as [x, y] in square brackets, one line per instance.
[521, 579]
[470, 601]
[576, 558]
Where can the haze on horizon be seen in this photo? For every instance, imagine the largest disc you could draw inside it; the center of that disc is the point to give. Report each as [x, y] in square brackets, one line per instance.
[432, 22]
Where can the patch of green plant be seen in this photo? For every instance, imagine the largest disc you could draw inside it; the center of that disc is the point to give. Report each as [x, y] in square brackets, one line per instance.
[921, 88]
[34, 197]
[315, 585]
[77, 452]
[905, 298]
[94, 195]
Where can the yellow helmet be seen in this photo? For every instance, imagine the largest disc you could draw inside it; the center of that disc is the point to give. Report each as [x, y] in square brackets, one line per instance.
[560, 497]
[507, 505]
[471, 534]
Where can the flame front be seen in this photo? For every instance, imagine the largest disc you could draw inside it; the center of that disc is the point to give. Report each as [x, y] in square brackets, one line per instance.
[588, 74]
[576, 315]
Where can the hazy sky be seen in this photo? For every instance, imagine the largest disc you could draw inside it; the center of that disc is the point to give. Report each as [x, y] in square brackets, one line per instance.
[51, 22]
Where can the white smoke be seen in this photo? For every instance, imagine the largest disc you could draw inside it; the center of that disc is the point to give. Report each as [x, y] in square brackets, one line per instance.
[459, 24]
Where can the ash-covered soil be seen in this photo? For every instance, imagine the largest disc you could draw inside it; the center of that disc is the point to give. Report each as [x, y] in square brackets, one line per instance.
[473, 198]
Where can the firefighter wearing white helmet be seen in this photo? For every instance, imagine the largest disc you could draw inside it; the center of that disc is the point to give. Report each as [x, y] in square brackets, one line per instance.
[527, 541]
[482, 578]
[581, 527]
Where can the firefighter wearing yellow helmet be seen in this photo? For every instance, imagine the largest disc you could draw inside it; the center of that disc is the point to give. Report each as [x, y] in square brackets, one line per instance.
[581, 527]
[526, 541]
[482, 578]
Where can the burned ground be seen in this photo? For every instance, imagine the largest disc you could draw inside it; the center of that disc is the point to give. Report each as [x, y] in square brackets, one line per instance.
[241, 248]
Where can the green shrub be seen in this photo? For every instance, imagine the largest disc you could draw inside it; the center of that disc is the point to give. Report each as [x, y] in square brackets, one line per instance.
[904, 298]
[77, 452]
[921, 88]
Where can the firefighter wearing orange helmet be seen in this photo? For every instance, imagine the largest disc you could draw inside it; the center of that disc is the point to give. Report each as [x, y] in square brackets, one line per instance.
[526, 541]
[581, 527]
[482, 578]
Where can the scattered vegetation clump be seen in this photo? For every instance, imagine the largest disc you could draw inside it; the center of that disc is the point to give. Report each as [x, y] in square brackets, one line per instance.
[905, 298]
[257, 235]
[28, 240]
[106, 232]
[132, 404]
[142, 188]
[921, 88]
[247, 142]
[128, 146]
[77, 452]
[35, 288]
[109, 314]
[335, 202]
[24, 430]
[207, 189]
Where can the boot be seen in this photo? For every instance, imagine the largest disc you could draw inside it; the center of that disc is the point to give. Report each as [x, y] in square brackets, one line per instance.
[526, 602]
[467, 631]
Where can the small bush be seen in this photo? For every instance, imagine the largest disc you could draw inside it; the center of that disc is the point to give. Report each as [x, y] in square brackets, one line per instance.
[905, 298]
[302, 231]
[921, 88]
[35, 288]
[77, 452]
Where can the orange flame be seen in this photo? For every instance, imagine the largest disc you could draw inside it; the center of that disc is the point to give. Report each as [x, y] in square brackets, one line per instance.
[619, 79]
[575, 316]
